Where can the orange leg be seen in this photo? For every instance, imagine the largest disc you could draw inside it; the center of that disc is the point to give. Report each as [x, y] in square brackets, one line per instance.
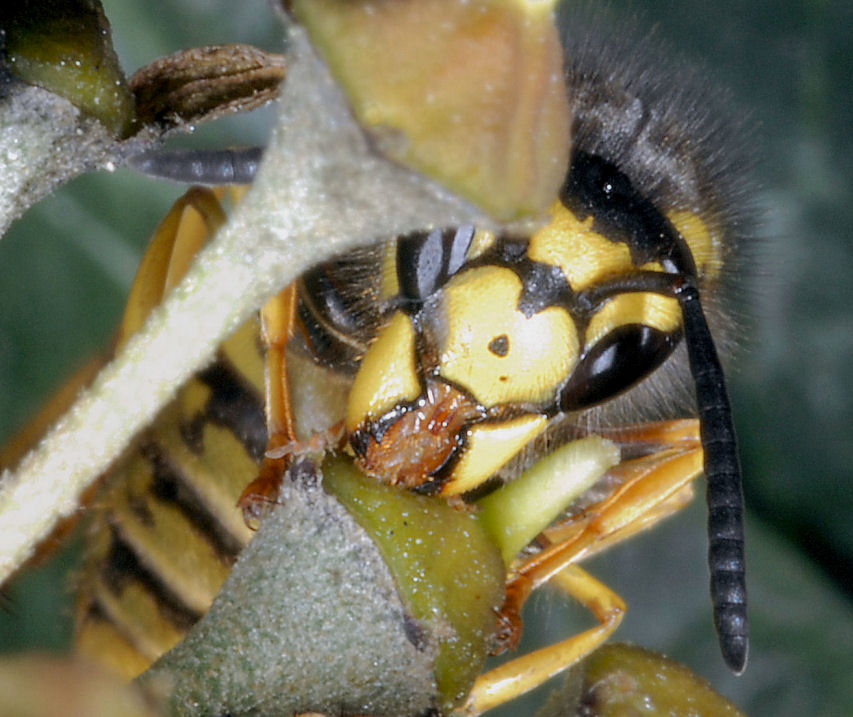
[651, 487]
[647, 489]
[525, 673]
[194, 217]
[278, 323]
[192, 220]
[663, 442]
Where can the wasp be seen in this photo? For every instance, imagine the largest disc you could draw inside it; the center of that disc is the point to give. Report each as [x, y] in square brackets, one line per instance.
[449, 360]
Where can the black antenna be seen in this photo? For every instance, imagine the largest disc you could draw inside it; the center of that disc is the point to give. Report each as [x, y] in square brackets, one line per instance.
[200, 166]
[724, 492]
[722, 467]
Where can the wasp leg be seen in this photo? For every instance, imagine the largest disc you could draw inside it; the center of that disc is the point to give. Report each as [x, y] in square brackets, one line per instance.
[650, 487]
[523, 674]
[665, 441]
[176, 241]
[278, 322]
[647, 489]
[193, 219]
[568, 530]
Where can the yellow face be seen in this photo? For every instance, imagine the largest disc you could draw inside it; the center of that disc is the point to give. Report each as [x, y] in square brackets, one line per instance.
[484, 352]
[491, 349]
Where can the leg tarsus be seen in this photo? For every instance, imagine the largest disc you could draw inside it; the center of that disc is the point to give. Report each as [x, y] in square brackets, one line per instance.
[262, 491]
[525, 673]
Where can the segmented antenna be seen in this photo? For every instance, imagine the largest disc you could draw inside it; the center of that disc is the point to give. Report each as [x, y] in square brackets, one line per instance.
[724, 492]
[722, 466]
[210, 167]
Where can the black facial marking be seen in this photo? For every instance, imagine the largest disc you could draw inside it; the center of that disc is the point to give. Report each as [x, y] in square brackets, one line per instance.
[425, 261]
[542, 285]
[499, 345]
[510, 250]
[597, 187]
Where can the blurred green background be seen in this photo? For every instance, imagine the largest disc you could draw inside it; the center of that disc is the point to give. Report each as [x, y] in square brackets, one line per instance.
[65, 269]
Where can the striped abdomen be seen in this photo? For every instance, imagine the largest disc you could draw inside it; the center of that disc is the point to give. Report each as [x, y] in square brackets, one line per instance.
[166, 529]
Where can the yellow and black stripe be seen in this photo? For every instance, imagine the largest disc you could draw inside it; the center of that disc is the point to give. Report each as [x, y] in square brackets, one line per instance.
[166, 529]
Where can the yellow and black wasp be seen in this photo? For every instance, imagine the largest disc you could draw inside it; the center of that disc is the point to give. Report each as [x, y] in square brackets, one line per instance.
[453, 357]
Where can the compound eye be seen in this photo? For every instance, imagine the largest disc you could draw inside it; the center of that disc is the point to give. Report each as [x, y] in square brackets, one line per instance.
[615, 363]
